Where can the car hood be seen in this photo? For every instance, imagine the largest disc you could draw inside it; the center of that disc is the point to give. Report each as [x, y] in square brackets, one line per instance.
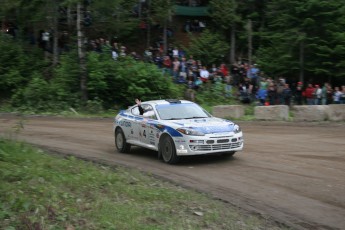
[205, 125]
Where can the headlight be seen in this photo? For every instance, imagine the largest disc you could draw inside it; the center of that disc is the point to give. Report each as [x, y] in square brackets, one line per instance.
[237, 129]
[190, 132]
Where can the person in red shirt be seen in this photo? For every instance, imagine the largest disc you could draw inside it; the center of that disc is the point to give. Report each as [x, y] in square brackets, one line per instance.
[224, 70]
[167, 63]
[309, 94]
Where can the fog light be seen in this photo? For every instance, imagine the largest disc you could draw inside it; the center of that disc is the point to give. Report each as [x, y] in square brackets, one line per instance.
[197, 141]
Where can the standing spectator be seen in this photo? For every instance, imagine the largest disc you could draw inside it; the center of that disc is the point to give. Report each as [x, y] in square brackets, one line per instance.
[183, 68]
[214, 70]
[244, 92]
[190, 61]
[280, 88]
[253, 74]
[299, 94]
[324, 94]
[167, 65]
[228, 79]
[195, 71]
[45, 38]
[181, 53]
[317, 95]
[170, 52]
[158, 61]
[190, 75]
[342, 98]
[114, 54]
[272, 94]
[175, 52]
[176, 68]
[235, 73]
[107, 47]
[337, 95]
[224, 70]
[309, 94]
[263, 83]
[123, 51]
[261, 96]
[329, 94]
[135, 56]
[187, 26]
[204, 74]
[287, 95]
[202, 26]
[195, 25]
[148, 55]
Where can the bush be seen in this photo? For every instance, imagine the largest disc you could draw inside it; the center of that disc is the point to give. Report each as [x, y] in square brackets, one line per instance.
[120, 82]
[208, 47]
[17, 64]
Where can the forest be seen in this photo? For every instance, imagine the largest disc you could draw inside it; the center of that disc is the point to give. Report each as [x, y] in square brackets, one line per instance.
[48, 61]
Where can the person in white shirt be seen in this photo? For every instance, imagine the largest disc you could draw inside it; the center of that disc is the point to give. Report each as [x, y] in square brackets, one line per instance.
[337, 95]
[204, 74]
[318, 95]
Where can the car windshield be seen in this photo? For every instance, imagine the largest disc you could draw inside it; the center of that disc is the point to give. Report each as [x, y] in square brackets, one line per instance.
[181, 111]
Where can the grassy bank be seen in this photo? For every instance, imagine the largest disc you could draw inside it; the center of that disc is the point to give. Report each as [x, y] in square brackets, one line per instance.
[41, 191]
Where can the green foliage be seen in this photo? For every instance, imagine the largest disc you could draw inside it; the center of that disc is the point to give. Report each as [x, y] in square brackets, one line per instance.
[114, 18]
[57, 94]
[39, 191]
[210, 47]
[161, 10]
[224, 13]
[308, 28]
[16, 65]
[120, 82]
[211, 94]
[289, 37]
[12, 53]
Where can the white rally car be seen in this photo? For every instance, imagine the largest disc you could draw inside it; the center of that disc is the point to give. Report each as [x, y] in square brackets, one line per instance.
[175, 128]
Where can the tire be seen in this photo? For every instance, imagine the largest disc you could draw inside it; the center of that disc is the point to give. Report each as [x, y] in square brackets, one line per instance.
[167, 150]
[120, 142]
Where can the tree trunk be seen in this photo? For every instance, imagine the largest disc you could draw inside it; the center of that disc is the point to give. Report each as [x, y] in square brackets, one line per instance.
[55, 34]
[301, 61]
[69, 17]
[165, 39]
[148, 35]
[232, 44]
[81, 54]
[250, 42]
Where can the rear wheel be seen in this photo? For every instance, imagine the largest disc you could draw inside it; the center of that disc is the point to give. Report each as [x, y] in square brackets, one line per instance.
[167, 150]
[120, 141]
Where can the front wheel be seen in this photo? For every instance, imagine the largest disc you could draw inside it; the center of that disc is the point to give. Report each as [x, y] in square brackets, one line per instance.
[167, 150]
[120, 141]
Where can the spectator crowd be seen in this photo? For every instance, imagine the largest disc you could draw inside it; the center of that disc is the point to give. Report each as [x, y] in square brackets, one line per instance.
[241, 80]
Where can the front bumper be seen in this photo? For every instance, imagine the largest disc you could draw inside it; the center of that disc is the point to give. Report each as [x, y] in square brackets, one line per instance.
[208, 144]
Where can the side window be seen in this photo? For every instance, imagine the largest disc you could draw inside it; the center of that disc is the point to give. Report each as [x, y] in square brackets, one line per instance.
[149, 112]
[135, 111]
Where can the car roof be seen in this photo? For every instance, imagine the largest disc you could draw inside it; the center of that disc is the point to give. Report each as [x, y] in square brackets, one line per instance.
[167, 101]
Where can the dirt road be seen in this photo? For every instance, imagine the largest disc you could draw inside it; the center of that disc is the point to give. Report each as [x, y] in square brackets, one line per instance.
[292, 172]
